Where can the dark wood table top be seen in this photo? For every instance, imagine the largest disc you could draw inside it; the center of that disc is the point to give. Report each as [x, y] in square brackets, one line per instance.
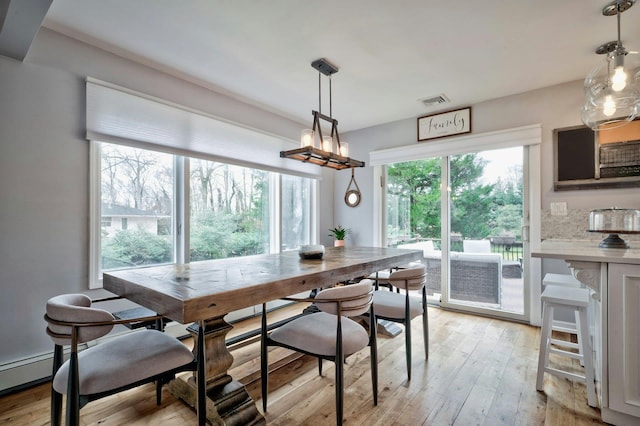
[212, 288]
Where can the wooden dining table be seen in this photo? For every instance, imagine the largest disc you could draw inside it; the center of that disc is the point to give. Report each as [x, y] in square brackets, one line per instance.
[204, 292]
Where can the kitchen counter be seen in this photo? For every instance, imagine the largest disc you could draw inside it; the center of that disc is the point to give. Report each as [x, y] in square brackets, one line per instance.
[587, 251]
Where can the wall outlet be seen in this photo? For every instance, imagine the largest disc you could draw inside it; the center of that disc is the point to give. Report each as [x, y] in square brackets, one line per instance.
[559, 209]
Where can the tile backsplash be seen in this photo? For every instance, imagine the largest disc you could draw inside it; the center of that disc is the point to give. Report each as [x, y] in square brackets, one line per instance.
[573, 226]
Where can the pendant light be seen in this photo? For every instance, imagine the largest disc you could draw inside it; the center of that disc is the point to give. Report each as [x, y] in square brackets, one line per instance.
[612, 89]
[324, 150]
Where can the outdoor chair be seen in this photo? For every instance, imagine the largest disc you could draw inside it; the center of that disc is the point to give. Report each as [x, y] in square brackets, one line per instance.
[476, 246]
[112, 366]
[510, 268]
[328, 334]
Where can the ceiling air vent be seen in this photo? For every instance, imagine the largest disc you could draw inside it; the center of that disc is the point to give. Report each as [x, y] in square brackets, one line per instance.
[434, 100]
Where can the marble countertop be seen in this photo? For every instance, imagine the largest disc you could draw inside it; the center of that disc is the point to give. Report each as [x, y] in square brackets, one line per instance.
[587, 251]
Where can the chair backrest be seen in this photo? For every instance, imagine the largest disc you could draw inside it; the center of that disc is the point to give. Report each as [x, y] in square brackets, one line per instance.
[413, 278]
[74, 309]
[476, 246]
[355, 299]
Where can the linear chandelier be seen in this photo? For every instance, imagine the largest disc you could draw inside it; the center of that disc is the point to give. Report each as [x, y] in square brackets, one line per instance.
[316, 148]
[612, 89]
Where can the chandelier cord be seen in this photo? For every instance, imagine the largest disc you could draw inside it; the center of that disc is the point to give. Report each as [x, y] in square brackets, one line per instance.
[319, 93]
[330, 103]
[619, 48]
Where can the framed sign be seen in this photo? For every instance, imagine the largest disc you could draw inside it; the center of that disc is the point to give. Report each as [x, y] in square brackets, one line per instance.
[444, 124]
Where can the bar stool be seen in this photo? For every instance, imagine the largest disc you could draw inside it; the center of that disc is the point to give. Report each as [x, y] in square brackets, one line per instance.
[564, 280]
[578, 300]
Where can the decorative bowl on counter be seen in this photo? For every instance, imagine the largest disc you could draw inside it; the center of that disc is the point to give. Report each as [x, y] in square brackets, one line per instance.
[314, 251]
[614, 221]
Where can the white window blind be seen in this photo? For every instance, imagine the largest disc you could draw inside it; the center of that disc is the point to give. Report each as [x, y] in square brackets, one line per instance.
[119, 115]
[527, 135]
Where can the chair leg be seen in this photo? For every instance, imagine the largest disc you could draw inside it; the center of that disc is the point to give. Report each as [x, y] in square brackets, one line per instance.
[407, 334]
[264, 362]
[374, 355]
[339, 361]
[73, 391]
[407, 344]
[56, 398]
[425, 324]
[158, 392]
[339, 391]
[543, 354]
[587, 357]
[319, 366]
[578, 335]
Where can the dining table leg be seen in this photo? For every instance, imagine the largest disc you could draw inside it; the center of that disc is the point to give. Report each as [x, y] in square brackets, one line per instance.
[228, 402]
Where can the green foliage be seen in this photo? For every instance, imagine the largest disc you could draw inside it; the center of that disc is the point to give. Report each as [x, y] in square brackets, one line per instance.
[419, 182]
[477, 210]
[221, 235]
[339, 232]
[137, 247]
[508, 221]
[472, 212]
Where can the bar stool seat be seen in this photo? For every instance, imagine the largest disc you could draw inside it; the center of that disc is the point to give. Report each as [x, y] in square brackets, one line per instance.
[576, 299]
[564, 280]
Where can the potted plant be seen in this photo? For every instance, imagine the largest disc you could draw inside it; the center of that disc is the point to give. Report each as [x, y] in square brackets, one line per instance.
[339, 233]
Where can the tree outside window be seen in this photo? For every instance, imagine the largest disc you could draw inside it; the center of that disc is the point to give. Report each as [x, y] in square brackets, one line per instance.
[230, 210]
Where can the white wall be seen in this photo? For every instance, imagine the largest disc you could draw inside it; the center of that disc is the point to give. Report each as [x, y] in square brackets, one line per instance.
[43, 199]
[44, 175]
[552, 107]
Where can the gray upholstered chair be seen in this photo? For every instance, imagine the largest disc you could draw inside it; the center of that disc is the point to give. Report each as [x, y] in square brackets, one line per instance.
[402, 308]
[110, 367]
[320, 334]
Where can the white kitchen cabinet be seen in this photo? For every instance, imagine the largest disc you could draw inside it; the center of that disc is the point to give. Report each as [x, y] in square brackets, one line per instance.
[624, 338]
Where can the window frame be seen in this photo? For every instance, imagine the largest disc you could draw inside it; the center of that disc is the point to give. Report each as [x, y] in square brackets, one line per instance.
[181, 206]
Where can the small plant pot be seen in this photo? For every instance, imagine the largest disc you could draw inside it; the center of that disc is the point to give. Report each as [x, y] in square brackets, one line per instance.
[338, 243]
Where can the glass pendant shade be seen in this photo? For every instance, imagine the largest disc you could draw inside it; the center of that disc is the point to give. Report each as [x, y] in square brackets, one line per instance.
[611, 109]
[612, 91]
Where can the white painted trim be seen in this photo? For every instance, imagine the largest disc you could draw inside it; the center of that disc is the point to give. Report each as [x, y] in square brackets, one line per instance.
[526, 135]
[533, 266]
[95, 278]
[26, 370]
[38, 367]
[379, 201]
[275, 213]
[314, 209]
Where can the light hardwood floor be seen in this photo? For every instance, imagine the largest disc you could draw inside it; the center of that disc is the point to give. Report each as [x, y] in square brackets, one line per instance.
[480, 371]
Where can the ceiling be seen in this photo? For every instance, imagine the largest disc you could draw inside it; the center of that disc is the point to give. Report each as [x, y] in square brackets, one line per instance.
[390, 54]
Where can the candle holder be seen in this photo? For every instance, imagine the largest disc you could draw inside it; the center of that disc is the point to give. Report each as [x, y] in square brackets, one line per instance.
[327, 143]
[307, 138]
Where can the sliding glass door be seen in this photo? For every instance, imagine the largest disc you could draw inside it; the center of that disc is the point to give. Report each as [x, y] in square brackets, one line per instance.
[486, 204]
[465, 212]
